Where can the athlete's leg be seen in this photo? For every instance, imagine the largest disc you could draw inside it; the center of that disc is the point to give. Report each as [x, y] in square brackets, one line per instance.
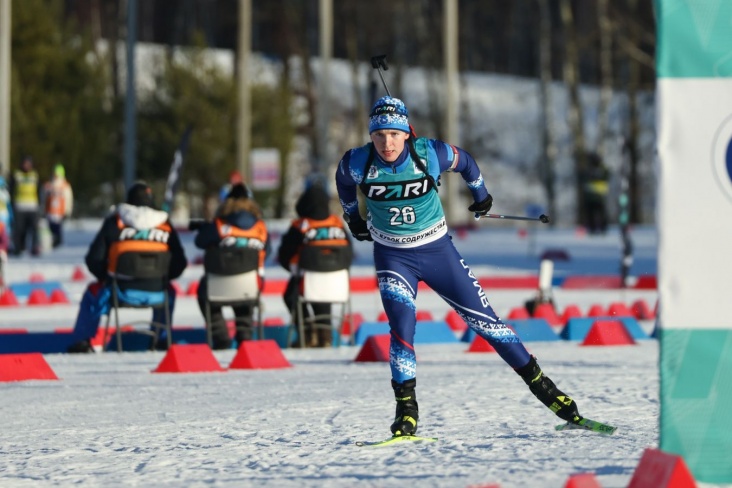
[444, 270]
[397, 278]
[454, 281]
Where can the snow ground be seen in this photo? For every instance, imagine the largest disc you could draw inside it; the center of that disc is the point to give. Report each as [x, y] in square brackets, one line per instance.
[110, 422]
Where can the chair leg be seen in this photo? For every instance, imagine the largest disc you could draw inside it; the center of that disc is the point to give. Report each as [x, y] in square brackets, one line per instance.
[208, 325]
[168, 322]
[260, 324]
[118, 329]
[106, 331]
[301, 322]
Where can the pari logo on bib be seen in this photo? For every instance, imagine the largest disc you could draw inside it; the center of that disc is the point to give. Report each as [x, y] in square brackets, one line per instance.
[722, 157]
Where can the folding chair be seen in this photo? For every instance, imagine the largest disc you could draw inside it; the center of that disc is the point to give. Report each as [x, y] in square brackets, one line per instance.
[141, 265]
[232, 280]
[325, 279]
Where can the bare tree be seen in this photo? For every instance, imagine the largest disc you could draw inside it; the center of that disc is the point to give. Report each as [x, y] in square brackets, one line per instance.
[549, 148]
[633, 62]
[606, 73]
[571, 79]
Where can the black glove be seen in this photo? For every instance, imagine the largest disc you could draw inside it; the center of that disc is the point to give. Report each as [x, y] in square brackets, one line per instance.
[481, 208]
[359, 229]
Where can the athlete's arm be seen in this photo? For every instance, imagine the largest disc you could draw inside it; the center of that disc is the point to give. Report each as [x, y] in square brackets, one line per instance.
[457, 160]
[346, 186]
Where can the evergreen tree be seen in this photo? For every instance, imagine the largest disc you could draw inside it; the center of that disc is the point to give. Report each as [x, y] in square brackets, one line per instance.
[190, 89]
[59, 112]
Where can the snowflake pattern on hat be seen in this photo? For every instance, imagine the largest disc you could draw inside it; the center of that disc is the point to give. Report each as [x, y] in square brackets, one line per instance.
[389, 113]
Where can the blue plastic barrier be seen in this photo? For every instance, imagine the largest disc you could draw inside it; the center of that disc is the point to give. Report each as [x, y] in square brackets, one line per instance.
[528, 330]
[22, 290]
[43, 342]
[367, 329]
[427, 332]
[533, 330]
[280, 334]
[578, 327]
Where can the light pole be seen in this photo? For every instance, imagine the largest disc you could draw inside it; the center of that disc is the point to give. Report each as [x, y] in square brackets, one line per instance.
[244, 125]
[130, 144]
[5, 28]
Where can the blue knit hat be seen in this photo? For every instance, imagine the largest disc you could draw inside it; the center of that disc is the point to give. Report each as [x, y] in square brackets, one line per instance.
[389, 113]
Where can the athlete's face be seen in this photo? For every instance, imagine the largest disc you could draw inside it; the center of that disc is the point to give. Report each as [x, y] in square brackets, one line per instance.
[389, 143]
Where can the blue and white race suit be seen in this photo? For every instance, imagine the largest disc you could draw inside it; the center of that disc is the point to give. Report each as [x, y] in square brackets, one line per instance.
[411, 243]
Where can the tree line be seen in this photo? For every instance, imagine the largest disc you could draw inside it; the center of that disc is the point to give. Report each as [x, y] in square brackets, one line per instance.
[68, 95]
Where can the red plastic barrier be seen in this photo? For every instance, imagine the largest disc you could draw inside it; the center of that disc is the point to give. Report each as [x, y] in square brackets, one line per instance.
[570, 312]
[546, 311]
[375, 349]
[641, 310]
[480, 345]
[58, 296]
[8, 298]
[38, 296]
[264, 354]
[584, 480]
[36, 278]
[661, 470]
[189, 358]
[78, 274]
[597, 310]
[619, 309]
[425, 315]
[608, 333]
[23, 367]
[518, 313]
[455, 321]
[351, 323]
[192, 289]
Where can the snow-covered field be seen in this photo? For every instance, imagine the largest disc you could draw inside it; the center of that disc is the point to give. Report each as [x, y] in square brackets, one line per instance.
[109, 421]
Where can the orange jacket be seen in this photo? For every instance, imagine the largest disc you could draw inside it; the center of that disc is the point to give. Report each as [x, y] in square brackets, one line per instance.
[255, 237]
[310, 232]
[131, 239]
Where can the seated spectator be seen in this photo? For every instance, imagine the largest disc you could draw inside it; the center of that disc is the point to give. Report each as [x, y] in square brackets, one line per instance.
[130, 225]
[315, 226]
[238, 222]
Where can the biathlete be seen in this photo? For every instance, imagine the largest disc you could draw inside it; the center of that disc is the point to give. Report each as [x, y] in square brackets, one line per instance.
[398, 174]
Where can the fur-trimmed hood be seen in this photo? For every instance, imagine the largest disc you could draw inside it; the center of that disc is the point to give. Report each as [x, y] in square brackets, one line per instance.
[141, 217]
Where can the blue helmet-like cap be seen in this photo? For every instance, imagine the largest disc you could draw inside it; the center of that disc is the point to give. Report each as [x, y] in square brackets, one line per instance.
[389, 113]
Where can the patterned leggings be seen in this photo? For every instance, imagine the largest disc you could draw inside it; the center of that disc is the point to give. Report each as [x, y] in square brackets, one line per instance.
[442, 268]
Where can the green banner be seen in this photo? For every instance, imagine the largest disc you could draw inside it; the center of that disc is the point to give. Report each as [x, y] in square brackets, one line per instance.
[694, 102]
[694, 38]
[696, 394]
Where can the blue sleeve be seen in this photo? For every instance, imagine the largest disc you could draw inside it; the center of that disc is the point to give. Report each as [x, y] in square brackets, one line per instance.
[457, 160]
[347, 186]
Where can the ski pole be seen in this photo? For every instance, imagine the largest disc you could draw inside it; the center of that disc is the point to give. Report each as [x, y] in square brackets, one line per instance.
[544, 219]
[379, 62]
